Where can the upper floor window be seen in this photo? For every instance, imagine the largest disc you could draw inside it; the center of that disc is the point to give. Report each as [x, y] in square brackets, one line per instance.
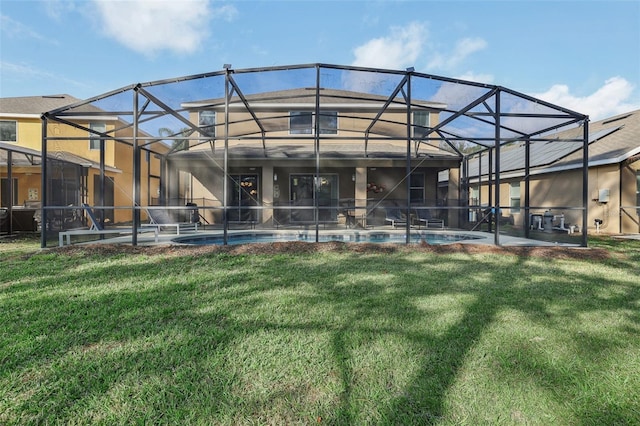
[207, 121]
[421, 123]
[301, 123]
[8, 131]
[94, 140]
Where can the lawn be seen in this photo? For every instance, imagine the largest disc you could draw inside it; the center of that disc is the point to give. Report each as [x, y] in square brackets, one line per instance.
[329, 336]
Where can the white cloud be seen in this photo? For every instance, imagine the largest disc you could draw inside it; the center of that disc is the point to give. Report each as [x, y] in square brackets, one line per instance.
[15, 29]
[149, 26]
[29, 74]
[609, 100]
[478, 78]
[399, 49]
[461, 51]
[57, 9]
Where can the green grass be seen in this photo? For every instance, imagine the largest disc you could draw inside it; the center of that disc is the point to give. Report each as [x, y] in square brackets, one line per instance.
[330, 338]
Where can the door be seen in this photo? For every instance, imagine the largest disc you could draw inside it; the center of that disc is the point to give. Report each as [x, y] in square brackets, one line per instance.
[244, 194]
[302, 194]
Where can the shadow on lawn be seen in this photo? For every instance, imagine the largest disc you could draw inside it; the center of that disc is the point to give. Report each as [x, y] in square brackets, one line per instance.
[154, 339]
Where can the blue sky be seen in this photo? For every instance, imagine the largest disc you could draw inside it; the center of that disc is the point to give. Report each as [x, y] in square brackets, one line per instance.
[583, 55]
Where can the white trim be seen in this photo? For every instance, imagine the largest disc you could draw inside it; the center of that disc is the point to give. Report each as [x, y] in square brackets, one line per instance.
[14, 115]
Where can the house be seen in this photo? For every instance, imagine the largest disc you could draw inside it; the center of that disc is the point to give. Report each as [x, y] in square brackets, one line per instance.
[555, 178]
[356, 178]
[82, 166]
[301, 146]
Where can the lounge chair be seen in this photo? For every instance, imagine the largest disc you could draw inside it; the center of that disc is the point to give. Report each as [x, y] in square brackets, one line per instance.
[423, 216]
[395, 216]
[95, 229]
[159, 219]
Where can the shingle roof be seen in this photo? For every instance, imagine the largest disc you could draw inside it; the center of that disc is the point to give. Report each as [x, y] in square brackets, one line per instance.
[307, 96]
[611, 141]
[35, 105]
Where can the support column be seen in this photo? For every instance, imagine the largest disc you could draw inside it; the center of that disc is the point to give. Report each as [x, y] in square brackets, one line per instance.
[498, 141]
[585, 180]
[527, 189]
[360, 194]
[136, 173]
[43, 185]
[267, 193]
[454, 194]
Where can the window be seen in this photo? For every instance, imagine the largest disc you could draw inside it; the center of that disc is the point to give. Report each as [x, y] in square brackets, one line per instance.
[8, 131]
[474, 196]
[514, 195]
[207, 121]
[94, 140]
[301, 122]
[421, 123]
[328, 123]
[417, 188]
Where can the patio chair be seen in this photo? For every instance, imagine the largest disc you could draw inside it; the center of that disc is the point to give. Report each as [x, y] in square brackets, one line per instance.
[395, 217]
[159, 219]
[423, 216]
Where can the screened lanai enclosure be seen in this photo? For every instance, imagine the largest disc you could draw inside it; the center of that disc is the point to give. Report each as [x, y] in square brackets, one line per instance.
[315, 147]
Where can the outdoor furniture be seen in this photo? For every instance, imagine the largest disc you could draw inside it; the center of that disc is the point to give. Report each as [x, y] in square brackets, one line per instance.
[159, 219]
[395, 217]
[95, 229]
[423, 216]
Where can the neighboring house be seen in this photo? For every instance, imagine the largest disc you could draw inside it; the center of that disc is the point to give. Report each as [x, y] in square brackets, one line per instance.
[74, 164]
[556, 177]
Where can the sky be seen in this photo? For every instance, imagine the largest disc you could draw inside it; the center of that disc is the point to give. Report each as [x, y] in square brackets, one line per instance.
[583, 55]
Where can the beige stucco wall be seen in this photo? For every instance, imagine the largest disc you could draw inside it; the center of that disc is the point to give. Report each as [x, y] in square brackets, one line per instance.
[561, 192]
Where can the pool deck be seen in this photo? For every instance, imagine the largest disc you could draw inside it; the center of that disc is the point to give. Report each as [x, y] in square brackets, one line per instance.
[479, 237]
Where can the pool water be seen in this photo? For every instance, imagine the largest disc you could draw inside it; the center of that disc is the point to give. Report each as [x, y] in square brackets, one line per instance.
[369, 237]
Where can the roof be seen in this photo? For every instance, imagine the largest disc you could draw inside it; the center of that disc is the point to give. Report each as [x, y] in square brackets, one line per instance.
[611, 141]
[305, 97]
[22, 156]
[34, 105]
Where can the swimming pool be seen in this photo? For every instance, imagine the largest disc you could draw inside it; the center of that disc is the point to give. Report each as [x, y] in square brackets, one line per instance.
[347, 237]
